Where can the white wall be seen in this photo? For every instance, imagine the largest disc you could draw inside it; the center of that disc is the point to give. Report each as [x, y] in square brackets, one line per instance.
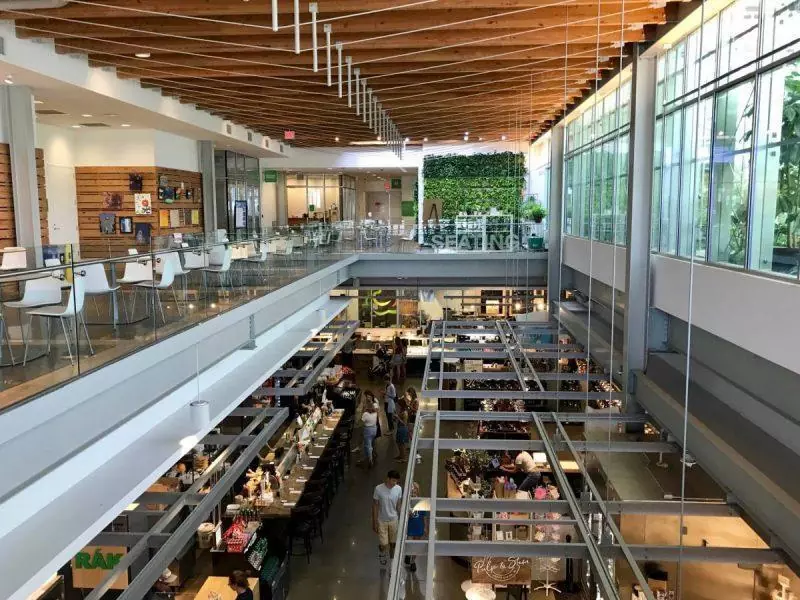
[320, 159]
[756, 313]
[66, 148]
[597, 258]
[175, 152]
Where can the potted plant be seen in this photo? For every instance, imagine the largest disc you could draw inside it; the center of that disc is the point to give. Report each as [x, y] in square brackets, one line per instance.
[537, 213]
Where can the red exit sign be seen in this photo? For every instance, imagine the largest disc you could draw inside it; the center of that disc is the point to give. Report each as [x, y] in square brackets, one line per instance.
[288, 135]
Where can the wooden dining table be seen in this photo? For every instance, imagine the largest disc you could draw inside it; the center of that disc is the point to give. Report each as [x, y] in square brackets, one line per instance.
[292, 487]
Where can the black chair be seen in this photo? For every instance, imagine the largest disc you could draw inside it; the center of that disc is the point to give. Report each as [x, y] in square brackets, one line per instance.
[321, 485]
[317, 501]
[302, 527]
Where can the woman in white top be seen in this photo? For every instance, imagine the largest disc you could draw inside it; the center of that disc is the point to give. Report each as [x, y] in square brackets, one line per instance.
[370, 420]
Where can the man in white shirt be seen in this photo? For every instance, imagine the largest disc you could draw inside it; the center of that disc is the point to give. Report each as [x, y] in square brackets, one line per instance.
[525, 464]
[385, 514]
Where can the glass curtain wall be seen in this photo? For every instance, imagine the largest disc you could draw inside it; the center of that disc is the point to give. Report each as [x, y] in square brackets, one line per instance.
[320, 197]
[596, 168]
[237, 182]
[726, 185]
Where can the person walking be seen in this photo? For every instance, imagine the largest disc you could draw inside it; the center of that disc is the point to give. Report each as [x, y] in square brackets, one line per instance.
[370, 420]
[401, 435]
[389, 402]
[397, 358]
[417, 527]
[385, 514]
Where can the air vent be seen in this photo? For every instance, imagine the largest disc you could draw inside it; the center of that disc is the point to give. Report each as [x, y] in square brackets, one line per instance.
[229, 129]
[93, 125]
[49, 111]
[249, 136]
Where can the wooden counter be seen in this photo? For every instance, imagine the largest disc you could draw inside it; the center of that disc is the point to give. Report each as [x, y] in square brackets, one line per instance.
[220, 586]
[292, 488]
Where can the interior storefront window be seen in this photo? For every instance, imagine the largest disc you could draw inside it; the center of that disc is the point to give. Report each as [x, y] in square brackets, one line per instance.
[776, 213]
[670, 181]
[316, 196]
[733, 124]
[237, 181]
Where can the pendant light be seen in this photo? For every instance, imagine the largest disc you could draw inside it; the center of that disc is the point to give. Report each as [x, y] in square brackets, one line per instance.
[357, 72]
[297, 26]
[314, 50]
[339, 65]
[364, 91]
[369, 93]
[327, 29]
[274, 15]
[349, 80]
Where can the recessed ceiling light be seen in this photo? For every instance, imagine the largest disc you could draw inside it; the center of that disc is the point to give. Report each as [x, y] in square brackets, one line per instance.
[378, 138]
[142, 55]
[8, 80]
[125, 125]
[466, 133]
[112, 115]
[480, 139]
[425, 139]
[86, 116]
[408, 140]
[502, 137]
[466, 138]
[336, 139]
[38, 102]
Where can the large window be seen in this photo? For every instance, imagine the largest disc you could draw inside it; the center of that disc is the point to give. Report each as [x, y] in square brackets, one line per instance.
[726, 180]
[596, 169]
[321, 197]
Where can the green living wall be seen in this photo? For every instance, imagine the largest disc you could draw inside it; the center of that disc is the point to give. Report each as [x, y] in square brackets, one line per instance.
[476, 183]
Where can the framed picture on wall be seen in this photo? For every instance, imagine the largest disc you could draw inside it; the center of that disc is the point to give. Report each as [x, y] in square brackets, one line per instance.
[112, 200]
[108, 223]
[126, 224]
[142, 233]
[135, 182]
[143, 204]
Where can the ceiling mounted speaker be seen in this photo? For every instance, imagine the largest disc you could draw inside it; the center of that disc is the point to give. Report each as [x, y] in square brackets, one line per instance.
[31, 4]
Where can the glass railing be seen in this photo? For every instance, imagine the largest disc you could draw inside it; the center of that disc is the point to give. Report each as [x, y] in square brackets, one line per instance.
[66, 310]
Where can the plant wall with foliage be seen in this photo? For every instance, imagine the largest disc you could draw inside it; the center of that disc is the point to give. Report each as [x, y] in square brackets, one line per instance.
[474, 184]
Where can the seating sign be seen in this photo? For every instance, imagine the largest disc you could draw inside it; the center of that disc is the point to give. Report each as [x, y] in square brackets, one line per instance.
[510, 570]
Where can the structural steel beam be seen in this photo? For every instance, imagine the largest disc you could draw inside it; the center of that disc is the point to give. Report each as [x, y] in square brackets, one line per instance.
[143, 582]
[539, 445]
[759, 556]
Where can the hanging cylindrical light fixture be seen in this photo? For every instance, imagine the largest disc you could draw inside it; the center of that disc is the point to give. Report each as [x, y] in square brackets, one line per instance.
[297, 26]
[349, 80]
[364, 99]
[339, 65]
[274, 15]
[314, 50]
[327, 29]
[357, 72]
[369, 103]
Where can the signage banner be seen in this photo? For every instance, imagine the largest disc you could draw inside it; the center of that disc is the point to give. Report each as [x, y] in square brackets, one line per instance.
[93, 564]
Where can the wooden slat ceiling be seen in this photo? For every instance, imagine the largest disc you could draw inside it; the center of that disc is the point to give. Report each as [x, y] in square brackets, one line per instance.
[441, 67]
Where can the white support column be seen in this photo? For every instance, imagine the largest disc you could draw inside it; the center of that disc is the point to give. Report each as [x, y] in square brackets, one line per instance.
[20, 124]
[205, 158]
[555, 220]
[640, 189]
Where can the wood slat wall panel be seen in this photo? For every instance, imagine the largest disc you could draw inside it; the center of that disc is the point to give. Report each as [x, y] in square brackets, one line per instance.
[92, 182]
[8, 234]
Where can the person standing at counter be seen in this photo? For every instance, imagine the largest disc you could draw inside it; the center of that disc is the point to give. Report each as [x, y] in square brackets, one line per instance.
[385, 514]
[370, 420]
[239, 584]
[525, 464]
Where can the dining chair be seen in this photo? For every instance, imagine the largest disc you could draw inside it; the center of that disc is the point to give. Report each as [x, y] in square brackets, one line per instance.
[42, 291]
[167, 281]
[72, 309]
[97, 284]
[221, 269]
[136, 271]
[14, 258]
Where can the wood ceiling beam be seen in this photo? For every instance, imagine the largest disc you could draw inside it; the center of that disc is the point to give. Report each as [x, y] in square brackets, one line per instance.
[159, 47]
[390, 22]
[215, 8]
[433, 71]
[282, 43]
[256, 71]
